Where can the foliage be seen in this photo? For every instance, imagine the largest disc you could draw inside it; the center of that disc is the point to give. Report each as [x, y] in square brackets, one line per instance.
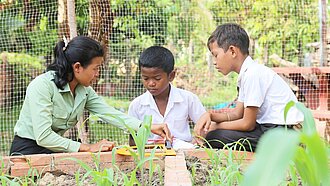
[23, 68]
[283, 29]
[31, 31]
[27, 62]
[120, 104]
[303, 153]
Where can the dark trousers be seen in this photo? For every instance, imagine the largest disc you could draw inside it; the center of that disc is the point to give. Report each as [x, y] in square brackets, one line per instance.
[25, 146]
[238, 140]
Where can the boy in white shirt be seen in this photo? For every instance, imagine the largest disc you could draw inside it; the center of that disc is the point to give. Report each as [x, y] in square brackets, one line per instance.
[262, 94]
[166, 103]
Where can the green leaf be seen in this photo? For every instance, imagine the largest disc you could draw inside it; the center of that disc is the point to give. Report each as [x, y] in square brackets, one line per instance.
[304, 166]
[287, 108]
[316, 153]
[275, 151]
[309, 124]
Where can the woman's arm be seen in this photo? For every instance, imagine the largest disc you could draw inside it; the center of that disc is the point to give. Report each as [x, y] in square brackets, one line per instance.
[99, 107]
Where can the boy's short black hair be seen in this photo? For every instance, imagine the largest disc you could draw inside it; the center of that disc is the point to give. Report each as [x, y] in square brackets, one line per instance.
[230, 34]
[157, 57]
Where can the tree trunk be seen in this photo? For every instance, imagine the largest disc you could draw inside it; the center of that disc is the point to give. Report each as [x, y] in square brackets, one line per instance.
[63, 26]
[72, 18]
[68, 29]
[323, 34]
[100, 26]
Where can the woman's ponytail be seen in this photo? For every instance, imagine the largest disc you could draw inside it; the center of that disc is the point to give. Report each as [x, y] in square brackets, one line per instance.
[61, 66]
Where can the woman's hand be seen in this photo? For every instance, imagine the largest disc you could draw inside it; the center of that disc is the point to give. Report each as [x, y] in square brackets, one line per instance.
[101, 146]
[162, 130]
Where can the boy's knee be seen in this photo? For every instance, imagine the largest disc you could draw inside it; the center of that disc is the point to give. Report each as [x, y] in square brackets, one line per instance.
[217, 138]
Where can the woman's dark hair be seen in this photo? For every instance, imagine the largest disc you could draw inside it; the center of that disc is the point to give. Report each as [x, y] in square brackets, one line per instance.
[80, 49]
[159, 57]
[230, 34]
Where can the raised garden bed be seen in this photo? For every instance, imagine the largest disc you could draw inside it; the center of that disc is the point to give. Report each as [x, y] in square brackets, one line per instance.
[61, 169]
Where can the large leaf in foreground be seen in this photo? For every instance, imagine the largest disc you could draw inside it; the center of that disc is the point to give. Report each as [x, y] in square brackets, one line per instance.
[275, 151]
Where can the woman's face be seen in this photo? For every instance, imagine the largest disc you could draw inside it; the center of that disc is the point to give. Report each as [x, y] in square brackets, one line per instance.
[86, 76]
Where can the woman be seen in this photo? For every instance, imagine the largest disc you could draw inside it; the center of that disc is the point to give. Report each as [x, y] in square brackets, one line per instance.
[56, 99]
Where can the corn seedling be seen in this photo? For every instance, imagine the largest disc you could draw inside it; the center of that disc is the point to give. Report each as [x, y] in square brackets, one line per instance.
[108, 176]
[140, 138]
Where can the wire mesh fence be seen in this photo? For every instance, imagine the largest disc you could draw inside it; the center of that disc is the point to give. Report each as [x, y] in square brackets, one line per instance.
[283, 33]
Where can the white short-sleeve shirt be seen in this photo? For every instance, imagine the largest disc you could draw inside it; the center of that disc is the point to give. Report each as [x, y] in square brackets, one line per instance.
[182, 107]
[260, 86]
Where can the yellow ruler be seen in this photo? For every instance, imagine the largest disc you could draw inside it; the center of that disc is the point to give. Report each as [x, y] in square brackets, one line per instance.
[160, 150]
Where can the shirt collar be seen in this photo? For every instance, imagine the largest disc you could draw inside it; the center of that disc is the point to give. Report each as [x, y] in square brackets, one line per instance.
[174, 96]
[246, 64]
[66, 88]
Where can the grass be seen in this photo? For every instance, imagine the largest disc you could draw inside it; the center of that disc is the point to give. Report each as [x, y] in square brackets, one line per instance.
[100, 131]
[8, 118]
[219, 96]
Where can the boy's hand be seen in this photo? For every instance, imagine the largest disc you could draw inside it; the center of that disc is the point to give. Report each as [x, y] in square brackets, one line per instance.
[198, 141]
[162, 130]
[203, 124]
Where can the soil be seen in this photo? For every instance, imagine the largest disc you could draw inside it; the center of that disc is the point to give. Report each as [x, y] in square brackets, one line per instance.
[201, 174]
[62, 179]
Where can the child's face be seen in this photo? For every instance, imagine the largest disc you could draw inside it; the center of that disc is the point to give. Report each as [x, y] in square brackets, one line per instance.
[155, 80]
[222, 60]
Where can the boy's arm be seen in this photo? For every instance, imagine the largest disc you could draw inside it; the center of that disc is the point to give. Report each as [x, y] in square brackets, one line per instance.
[246, 123]
[241, 119]
[235, 114]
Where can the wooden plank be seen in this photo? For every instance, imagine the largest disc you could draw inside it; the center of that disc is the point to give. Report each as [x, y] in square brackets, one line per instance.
[322, 115]
[323, 103]
[323, 92]
[303, 70]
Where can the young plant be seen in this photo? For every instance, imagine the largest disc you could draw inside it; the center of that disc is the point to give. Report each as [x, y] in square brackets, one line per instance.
[108, 176]
[226, 165]
[140, 138]
[105, 177]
